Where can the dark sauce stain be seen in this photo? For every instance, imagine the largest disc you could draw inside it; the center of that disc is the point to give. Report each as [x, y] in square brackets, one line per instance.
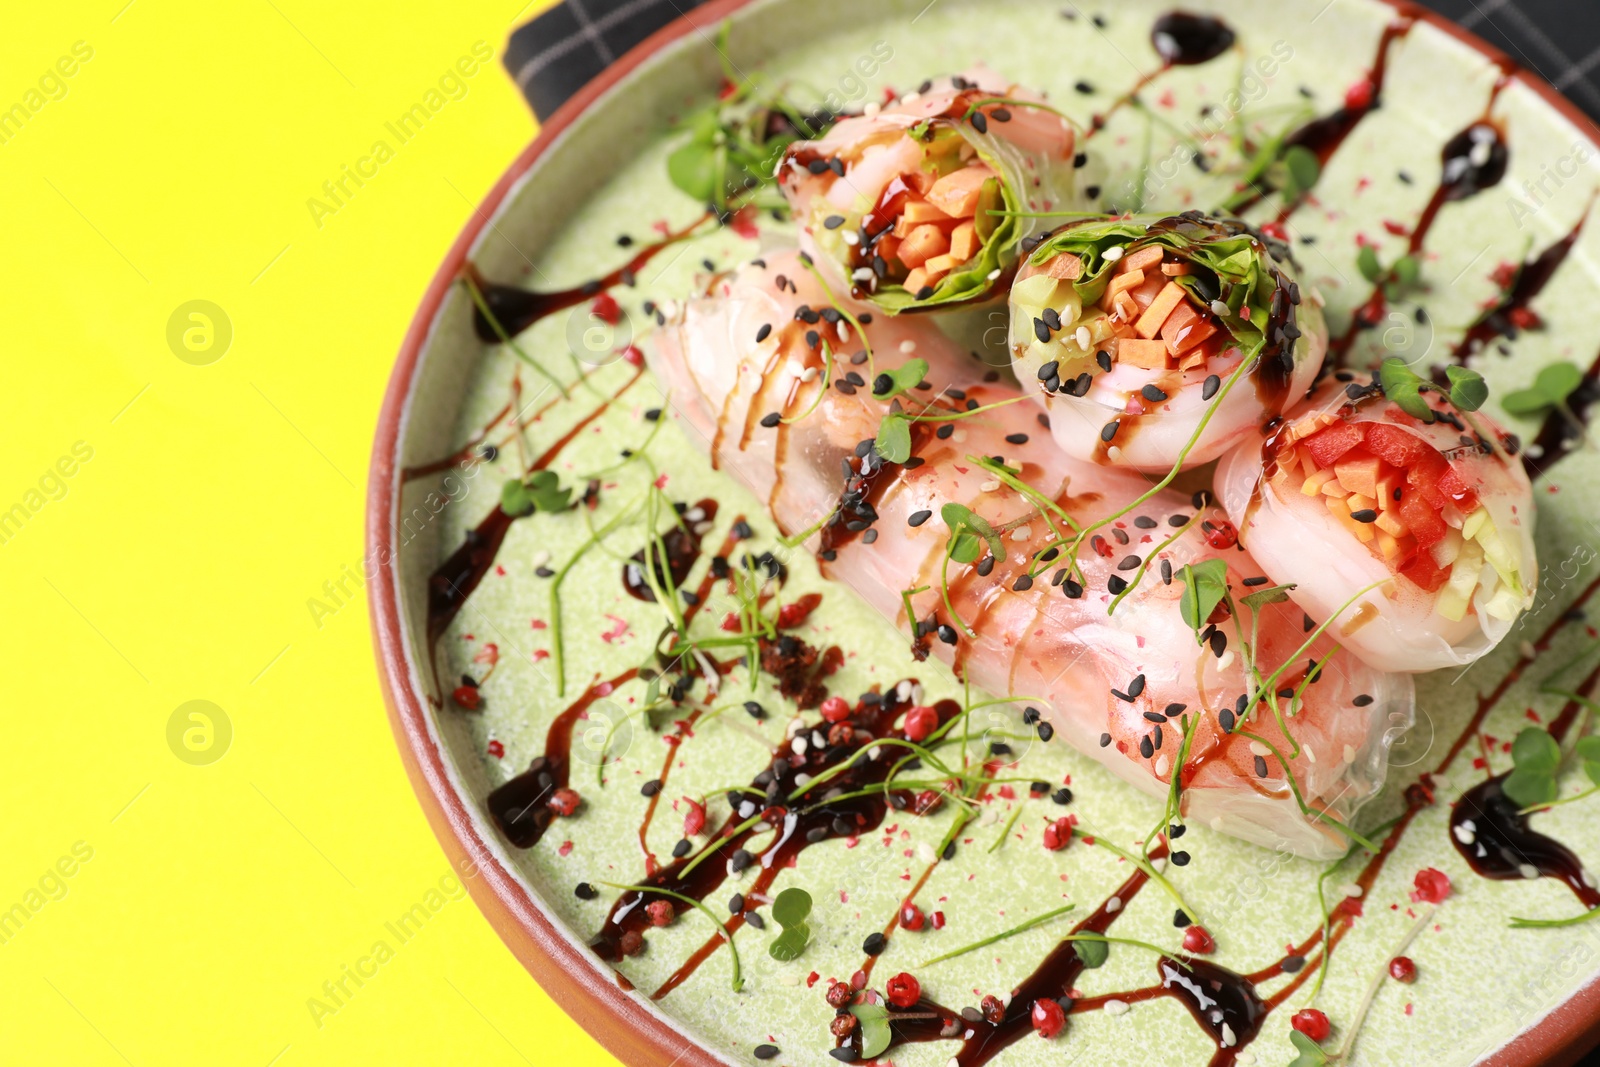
[1473, 160]
[1183, 39]
[1224, 1003]
[815, 821]
[516, 308]
[1323, 136]
[682, 547]
[1502, 844]
[1499, 321]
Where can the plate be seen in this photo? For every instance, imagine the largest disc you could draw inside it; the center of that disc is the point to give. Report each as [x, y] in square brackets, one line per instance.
[456, 580]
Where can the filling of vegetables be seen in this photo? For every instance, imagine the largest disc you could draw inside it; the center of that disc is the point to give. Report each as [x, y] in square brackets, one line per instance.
[933, 221]
[1144, 318]
[1430, 527]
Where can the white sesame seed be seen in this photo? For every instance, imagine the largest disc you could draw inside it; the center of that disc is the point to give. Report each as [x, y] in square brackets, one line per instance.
[802, 780]
[798, 746]
[850, 237]
[1114, 253]
[1527, 650]
[1116, 1007]
[1083, 337]
[902, 692]
[1479, 154]
[989, 486]
[872, 109]
[875, 751]
[694, 515]
[540, 558]
[702, 528]
[1218, 823]
[1349, 753]
[910, 98]
[925, 853]
[908, 347]
[1163, 765]
[1258, 749]
[810, 374]
[862, 274]
[1466, 833]
[992, 275]
[1220, 310]
[1528, 871]
[1113, 905]
[959, 437]
[843, 330]
[1021, 533]
[1225, 660]
[1350, 889]
[1229, 1039]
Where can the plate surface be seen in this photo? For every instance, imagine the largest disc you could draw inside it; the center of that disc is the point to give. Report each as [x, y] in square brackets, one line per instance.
[598, 172]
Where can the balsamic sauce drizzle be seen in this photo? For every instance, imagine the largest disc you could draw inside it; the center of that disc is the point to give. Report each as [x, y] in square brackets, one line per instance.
[1532, 277]
[1561, 433]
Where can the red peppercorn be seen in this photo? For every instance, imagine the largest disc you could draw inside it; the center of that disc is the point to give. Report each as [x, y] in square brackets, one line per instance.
[496, 749]
[1275, 230]
[1401, 969]
[1048, 1018]
[903, 990]
[839, 994]
[1312, 1023]
[927, 801]
[920, 722]
[1198, 941]
[730, 623]
[937, 918]
[1220, 534]
[606, 310]
[1359, 96]
[634, 357]
[911, 917]
[841, 733]
[564, 801]
[660, 913]
[992, 1008]
[632, 943]
[1432, 886]
[836, 709]
[792, 615]
[694, 820]
[842, 1025]
[466, 697]
[1058, 835]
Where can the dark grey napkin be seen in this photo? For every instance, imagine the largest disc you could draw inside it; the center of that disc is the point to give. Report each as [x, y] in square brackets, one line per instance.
[557, 53]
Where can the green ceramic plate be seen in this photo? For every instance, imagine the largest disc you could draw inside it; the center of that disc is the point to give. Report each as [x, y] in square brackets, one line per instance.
[602, 175]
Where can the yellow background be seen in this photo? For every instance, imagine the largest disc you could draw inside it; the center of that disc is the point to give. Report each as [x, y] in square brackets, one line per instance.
[178, 564]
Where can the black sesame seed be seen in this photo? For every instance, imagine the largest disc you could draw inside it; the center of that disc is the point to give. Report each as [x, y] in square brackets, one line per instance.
[833, 222]
[1130, 696]
[1219, 643]
[1049, 554]
[1062, 796]
[1209, 389]
[1145, 522]
[1152, 394]
[919, 517]
[585, 891]
[491, 453]
[740, 860]
[1362, 701]
[650, 788]
[947, 633]
[1072, 589]
[1052, 318]
[1046, 731]
[1023, 583]
[1146, 749]
[1180, 919]
[845, 1054]
[874, 944]
[985, 565]
[882, 384]
[1176, 830]
[1084, 87]
[1155, 717]
[1109, 430]
[1105, 740]
[1293, 964]
[1180, 859]
[1116, 585]
[1080, 159]
[763, 333]
[1166, 571]
[1258, 580]
[736, 904]
[1049, 371]
[943, 433]
[652, 414]
[1201, 499]
[681, 849]
[1364, 515]
[1104, 359]
[765, 1052]
[1261, 767]
[979, 122]
[771, 419]
[1176, 521]
[1225, 720]
[1130, 563]
[1092, 192]
[1016, 438]
[925, 292]
[1000, 114]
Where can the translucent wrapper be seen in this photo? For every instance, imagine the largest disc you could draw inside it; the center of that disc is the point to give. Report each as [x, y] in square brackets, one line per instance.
[1349, 495]
[1146, 336]
[906, 206]
[1105, 679]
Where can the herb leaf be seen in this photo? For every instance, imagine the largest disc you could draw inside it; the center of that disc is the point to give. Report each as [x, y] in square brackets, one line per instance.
[1536, 756]
[1311, 1054]
[1092, 953]
[1204, 586]
[542, 491]
[790, 944]
[893, 442]
[1468, 390]
[1276, 594]
[1367, 263]
[791, 907]
[903, 378]
[1404, 386]
[875, 1033]
[1588, 752]
[969, 531]
[1553, 385]
[1303, 169]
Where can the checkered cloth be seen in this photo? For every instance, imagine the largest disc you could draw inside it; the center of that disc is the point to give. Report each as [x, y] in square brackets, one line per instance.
[553, 56]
